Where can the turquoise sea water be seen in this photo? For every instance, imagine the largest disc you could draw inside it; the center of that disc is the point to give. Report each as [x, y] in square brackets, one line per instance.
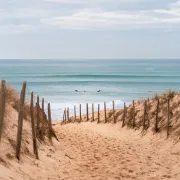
[119, 80]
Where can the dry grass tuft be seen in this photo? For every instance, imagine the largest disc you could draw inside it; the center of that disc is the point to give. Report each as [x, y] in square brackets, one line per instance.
[156, 97]
[171, 94]
[13, 98]
[11, 94]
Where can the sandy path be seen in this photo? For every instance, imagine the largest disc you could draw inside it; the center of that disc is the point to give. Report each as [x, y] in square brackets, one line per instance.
[105, 152]
[98, 151]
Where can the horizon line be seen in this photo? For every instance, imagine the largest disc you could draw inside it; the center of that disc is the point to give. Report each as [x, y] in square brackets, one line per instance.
[89, 59]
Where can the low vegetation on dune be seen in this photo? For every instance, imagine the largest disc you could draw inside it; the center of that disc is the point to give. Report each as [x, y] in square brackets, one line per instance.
[91, 151]
[150, 118]
[136, 112]
[10, 127]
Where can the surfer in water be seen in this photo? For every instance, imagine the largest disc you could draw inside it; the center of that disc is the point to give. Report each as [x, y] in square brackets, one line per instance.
[99, 91]
[76, 90]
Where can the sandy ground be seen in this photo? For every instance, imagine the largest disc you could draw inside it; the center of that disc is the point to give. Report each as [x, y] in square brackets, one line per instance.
[98, 151]
[88, 150]
[109, 152]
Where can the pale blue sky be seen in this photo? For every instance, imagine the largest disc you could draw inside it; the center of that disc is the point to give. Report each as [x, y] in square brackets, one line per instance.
[89, 29]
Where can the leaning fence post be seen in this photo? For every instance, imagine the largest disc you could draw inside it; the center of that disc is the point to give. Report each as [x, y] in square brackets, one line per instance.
[49, 122]
[124, 115]
[80, 113]
[168, 116]
[2, 106]
[43, 116]
[74, 113]
[87, 112]
[43, 110]
[144, 116]
[92, 112]
[68, 114]
[65, 115]
[114, 118]
[147, 117]
[20, 121]
[98, 113]
[105, 115]
[134, 123]
[33, 127]
[43, 105]
[63, 118]
[157, 113]
[38, 118]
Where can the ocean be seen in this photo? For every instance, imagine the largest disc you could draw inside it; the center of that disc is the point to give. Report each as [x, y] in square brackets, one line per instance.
[119, 80]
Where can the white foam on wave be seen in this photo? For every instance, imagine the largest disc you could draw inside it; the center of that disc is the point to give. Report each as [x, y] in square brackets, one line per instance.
[57, 109]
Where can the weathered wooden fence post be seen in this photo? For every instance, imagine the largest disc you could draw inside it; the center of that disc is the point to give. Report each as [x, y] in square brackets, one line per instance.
[33, 127]
[49, 122]
[98, 113]
[87, 112]
[168, 116]
[74, 113]
[124, 115]
[43, 119]
[105, 115]
[43, 106]
[144, 116]
[20, 121]
[68, 114]
[80, 113]
[114, 118]
[147, 117]
[38, 117]
[65, 117]
[2, 106]
[134, 123]
[157, 120]
[92, 112]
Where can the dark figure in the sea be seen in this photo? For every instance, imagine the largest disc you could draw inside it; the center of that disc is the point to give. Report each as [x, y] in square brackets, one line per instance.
[76, 90]
[98, 91]
[84, 91]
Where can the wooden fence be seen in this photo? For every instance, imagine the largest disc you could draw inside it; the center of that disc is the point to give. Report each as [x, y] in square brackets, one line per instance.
[40, 124]
[132, 122]
[36, 113]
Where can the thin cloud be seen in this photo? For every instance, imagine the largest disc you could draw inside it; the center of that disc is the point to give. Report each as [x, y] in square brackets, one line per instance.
[90, 14]
[17, 29]
[93, 1]
[98, 18]
[175, 4]
[67, 1]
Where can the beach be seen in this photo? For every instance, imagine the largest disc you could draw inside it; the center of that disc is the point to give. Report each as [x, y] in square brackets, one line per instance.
[120, 80]
[89, 150]
[89, 90]
[140, 141]
[106, 151]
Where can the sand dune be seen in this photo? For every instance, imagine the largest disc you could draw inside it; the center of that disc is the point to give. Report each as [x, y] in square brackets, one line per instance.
[105, 151]
[101, 151]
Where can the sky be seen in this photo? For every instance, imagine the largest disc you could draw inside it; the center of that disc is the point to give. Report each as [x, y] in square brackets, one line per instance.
[81, 29]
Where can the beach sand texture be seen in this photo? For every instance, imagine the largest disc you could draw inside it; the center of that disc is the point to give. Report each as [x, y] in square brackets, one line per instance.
[89, 150]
